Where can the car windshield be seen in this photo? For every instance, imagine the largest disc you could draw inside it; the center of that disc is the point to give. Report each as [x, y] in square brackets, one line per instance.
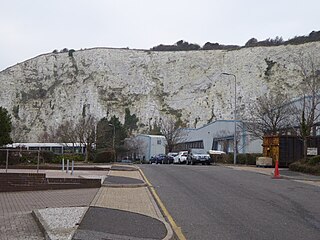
[198, 151]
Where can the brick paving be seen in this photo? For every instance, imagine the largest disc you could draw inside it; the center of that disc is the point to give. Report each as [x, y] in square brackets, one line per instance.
[16, 222]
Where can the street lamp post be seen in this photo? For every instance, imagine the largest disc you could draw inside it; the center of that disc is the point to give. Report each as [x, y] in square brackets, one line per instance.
[234, 117]
[113, 139]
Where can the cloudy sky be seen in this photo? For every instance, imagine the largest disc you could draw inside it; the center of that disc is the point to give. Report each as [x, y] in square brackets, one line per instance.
[32, 27]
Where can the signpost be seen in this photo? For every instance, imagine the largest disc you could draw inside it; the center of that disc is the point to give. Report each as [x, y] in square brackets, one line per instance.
[312, 151]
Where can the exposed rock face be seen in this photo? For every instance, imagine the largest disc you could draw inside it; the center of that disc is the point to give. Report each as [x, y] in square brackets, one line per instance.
[48, 89]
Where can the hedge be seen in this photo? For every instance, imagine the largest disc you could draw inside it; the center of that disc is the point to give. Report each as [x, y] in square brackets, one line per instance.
[242, 158]
[305, 167]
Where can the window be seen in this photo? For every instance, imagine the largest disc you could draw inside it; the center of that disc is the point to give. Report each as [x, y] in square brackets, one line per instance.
[159, 141]
[57, 149]
[33, 148]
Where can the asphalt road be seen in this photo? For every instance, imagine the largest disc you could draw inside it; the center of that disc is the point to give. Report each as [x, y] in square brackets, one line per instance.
[216, 202]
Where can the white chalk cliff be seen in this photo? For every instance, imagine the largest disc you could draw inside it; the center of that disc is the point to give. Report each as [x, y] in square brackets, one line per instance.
[50, 88]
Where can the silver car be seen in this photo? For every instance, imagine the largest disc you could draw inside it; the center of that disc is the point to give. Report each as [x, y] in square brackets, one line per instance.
[198, 155]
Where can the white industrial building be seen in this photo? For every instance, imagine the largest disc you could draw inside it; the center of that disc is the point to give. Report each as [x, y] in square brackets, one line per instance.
[219, 135]
[145, 146]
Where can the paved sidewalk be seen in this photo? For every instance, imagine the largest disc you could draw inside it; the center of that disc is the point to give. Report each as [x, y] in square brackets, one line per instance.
[16, 221]
[123, 208]
[285, 173]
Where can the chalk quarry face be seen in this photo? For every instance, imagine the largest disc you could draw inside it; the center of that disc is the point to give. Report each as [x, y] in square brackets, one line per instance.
[42, 92]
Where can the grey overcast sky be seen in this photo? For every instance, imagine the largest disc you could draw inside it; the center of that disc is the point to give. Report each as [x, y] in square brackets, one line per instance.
[32, 27]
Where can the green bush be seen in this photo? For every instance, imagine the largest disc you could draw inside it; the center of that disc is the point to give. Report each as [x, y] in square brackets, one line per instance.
[46, 156]
[28, 159]
[314, 160]
[70, 157]
[248, 158]
[299, 166]
[104, 156]
[242, 158]
[223, 158]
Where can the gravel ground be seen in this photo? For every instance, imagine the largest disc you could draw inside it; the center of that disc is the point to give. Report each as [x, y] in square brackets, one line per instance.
[61, 223]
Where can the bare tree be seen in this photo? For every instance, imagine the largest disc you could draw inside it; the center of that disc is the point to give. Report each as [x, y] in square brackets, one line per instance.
[66, 133]
[269, 114]
[48, 135]
[170, 128]
[309, 69]
[86, 131]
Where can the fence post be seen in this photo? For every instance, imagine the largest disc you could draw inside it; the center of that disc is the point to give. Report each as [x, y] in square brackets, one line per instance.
[63, 164]
[38, 161]
[7, 160]
[72, 167]
[67, 166]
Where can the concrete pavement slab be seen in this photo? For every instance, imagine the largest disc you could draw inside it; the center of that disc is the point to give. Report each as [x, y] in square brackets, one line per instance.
[138, 200]
[131, 174]
[116, 181]
[123, 167]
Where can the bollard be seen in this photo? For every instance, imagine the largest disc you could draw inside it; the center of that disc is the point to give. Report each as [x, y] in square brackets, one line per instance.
[7, 160]
[72, 167]
[63, 164]
[67, 166]
[38, 162]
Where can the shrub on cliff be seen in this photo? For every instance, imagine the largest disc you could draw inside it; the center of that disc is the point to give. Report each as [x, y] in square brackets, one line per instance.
[179, 46]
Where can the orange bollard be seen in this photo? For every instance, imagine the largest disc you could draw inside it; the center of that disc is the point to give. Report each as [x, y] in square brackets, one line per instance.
[276, 170]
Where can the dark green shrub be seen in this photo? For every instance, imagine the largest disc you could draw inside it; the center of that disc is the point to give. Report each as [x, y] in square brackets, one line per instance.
[104, 156]
[46, 156]
[71, 51]
[242, 158]
[314, 160]
[223, 158]
[29, 157]
[299, 166]
[251, 158]
[70, 157]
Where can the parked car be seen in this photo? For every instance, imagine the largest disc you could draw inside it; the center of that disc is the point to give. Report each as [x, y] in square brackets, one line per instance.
[181, 157]
[152, 160]
[171, 156]
[159, 159]
[198, 155]
[126, 161]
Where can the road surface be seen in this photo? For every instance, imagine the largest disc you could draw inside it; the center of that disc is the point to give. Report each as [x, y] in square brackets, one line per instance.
[216, 202]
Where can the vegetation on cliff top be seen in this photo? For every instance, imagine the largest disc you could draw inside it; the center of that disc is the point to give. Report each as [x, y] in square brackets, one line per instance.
[253, 42]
